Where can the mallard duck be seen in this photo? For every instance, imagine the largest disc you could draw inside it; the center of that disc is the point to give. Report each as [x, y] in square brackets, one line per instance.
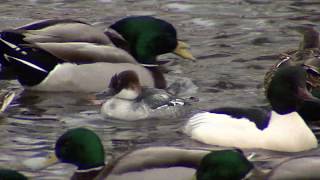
[82, 148]
[78, 65]
[281, 129]
[8, 174]
[307, 56]
[133, 102]
[158, 163]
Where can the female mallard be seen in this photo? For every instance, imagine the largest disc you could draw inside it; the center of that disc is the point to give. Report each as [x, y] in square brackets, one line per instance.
[82, 148]
[132, 101]
[281, 129]
[80, 65]
[307, 56]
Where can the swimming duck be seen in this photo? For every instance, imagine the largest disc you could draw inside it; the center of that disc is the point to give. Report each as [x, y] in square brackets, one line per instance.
[307, 56]
[158, 163]
[81, 65]
[82, 148]
[132, 101]
[8, 174]
[281, 129]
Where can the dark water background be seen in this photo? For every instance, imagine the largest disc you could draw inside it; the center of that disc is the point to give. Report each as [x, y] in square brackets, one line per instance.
[235, 42]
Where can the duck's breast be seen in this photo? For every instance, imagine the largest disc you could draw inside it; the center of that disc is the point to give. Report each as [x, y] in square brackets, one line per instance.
[288, 133]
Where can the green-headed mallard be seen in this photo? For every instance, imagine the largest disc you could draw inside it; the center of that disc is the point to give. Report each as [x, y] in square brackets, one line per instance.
[281, 129]
[307, 56]
[82, 148]
[85, 64]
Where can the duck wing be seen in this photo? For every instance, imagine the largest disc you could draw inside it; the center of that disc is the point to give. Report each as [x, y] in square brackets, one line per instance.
[260, 117]
[83, 53]
[62, 30]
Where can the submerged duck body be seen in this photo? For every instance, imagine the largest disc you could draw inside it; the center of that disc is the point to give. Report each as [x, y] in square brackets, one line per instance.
[47, 56]
[82, 148]
[158, 163]
[301, 167]
[281, 129]
[132, 102]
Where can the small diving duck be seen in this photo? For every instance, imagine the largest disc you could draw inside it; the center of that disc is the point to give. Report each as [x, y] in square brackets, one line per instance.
[133, 102]
[307, 56]
[83, 148]
[8, 174]
[281, 129]
[85, 64]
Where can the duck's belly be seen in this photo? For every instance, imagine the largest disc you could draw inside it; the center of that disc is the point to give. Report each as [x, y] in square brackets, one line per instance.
[176, 173]
[89, 77]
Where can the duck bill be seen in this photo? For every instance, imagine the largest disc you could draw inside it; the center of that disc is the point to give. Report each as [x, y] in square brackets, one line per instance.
[182, 50]
[40, 162]
[305, 95]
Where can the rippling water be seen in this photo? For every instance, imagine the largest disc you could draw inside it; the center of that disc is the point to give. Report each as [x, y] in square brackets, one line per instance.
[235, 42]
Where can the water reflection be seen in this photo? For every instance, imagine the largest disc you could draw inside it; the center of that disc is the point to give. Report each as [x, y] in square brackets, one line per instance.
[235, 42]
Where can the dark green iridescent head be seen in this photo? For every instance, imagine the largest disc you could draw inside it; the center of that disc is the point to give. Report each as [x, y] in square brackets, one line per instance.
[81, 147]
[147, 37]
[288, 89]
[225, 164]
[7, 174]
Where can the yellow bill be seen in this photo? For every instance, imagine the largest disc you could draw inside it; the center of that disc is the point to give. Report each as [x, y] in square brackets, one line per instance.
[182, 50]
[40, 162]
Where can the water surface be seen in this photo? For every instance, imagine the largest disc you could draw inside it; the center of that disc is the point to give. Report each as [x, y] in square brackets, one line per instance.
[235, 42]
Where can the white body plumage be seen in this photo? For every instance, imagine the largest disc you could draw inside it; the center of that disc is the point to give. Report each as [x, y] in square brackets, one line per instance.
[284, 133]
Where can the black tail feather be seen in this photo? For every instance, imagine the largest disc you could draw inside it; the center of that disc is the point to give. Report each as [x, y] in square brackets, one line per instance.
[31, 63]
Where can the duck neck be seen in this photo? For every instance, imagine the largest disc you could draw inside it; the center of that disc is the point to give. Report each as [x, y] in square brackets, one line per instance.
[159, 80]
[310, 39]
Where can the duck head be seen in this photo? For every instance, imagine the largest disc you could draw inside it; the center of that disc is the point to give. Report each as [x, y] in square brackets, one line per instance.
[126, 85]
[146, 37]
[80, 147]
[310, 36]
[288, 92]
[225, 164]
